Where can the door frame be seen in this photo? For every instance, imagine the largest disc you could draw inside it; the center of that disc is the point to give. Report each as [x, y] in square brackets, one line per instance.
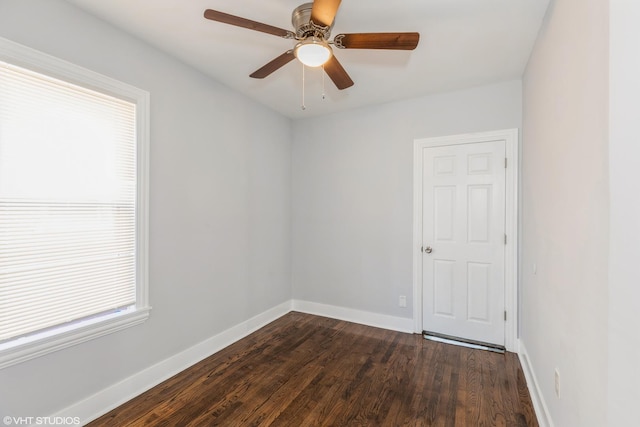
[510, 136]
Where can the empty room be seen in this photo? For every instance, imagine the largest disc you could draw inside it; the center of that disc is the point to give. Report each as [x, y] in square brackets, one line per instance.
[421, 212]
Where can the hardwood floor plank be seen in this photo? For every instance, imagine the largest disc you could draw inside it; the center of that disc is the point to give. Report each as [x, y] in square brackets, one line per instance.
[304, 370]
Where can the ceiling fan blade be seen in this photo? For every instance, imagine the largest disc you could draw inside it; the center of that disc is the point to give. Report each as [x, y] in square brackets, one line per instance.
[272, 66]
[397, 41]
[337, 74]
[324, 12]
[225, 18]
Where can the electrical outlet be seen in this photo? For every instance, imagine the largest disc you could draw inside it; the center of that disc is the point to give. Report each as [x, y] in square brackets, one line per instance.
[402, 301]
[557, 382]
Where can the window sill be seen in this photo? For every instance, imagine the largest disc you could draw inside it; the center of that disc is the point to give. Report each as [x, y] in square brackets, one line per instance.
[27, 348]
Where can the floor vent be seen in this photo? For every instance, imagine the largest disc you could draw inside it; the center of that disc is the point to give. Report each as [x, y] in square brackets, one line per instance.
[432, 336]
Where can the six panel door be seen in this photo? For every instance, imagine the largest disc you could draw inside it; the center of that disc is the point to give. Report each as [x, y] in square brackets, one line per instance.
[463, 223]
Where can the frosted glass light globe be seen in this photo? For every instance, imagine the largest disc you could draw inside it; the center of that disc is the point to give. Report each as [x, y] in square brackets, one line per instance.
[312, 52]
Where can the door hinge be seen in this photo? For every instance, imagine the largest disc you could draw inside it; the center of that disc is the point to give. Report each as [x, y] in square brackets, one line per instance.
[505, 239]
[505, 315]
[505, 162]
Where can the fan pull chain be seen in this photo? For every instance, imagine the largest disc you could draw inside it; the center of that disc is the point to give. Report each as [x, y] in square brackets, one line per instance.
[303, 106]
[323, 94]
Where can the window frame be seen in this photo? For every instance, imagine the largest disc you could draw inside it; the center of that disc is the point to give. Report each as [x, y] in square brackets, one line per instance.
[63, 336]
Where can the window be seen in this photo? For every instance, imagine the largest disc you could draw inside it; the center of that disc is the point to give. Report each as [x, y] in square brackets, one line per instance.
[73, 210]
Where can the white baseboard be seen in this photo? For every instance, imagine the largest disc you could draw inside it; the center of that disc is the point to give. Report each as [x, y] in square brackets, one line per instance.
[384, 321]
[539, 405]
[105, 400]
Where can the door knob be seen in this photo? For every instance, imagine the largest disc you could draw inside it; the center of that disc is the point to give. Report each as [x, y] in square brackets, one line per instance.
[428, 249]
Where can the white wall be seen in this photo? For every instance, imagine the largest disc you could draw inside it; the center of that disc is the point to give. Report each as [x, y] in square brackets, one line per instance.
[219, 203]
[352, 192]
[565, 211]
[624, 173]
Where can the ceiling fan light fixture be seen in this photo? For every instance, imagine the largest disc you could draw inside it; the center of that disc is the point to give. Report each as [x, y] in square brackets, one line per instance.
[312, 52]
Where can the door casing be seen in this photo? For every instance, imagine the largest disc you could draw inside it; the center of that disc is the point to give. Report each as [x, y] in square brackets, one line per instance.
[510, 136]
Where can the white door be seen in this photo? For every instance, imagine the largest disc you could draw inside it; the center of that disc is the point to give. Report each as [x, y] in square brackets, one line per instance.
[463, 236]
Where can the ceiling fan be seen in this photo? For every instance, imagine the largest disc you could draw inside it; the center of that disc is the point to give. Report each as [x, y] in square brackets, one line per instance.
[313, 23]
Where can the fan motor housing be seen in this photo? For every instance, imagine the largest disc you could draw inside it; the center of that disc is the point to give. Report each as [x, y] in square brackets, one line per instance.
[301, 20]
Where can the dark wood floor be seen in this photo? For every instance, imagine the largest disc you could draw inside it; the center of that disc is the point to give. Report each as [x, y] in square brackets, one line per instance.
[304, 370]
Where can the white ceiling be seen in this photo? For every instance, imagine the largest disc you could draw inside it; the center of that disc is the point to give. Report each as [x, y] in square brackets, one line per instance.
[463, 43]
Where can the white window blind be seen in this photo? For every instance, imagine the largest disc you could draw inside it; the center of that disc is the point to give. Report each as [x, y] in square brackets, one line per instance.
[67, 202]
